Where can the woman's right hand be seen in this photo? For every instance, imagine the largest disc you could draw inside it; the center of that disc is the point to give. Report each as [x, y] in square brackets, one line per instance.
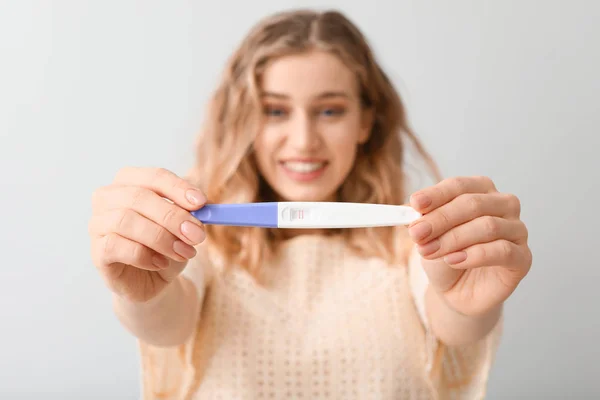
[141, 242]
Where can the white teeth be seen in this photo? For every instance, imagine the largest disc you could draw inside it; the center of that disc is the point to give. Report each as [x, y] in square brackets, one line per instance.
[303, 167]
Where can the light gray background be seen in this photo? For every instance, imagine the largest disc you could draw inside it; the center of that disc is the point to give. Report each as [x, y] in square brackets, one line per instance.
[508, 89]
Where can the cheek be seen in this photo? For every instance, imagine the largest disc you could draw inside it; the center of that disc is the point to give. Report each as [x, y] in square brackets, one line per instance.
[264, 148]
[346, 156]
[343, 150]
[260, 155]
[343, 142]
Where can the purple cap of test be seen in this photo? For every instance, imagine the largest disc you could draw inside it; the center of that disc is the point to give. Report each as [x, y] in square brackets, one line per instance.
[246, 214]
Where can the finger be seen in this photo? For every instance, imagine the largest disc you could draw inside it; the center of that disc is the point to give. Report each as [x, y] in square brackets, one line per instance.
[174, 269]
[462, 209]
[175, 219]
[480, 230]
[131, 225]
[114, 248]
[430, 198]
[163, 182]
[502, 253]
[440, 275]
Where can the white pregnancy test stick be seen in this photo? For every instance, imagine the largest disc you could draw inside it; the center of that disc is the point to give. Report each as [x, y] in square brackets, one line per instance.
[308, 215]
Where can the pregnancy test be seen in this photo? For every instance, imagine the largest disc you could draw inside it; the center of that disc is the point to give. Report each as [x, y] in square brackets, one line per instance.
[308, 215]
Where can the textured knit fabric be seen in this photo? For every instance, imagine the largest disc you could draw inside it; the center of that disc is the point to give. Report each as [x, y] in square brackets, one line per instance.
[324, 324]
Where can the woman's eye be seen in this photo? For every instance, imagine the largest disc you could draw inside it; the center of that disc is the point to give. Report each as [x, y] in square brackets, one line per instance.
[332, 112]
[274, 112]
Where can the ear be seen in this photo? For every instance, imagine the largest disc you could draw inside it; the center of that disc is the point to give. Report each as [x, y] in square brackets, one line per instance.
[367, 119]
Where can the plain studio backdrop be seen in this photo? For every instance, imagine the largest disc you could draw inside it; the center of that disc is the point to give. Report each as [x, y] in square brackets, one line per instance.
[507, 89]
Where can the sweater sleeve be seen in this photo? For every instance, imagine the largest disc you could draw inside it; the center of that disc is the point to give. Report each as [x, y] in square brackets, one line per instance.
[458, 372]
[164, 368]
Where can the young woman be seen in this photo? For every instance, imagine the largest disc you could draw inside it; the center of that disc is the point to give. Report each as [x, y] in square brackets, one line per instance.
[305, 113]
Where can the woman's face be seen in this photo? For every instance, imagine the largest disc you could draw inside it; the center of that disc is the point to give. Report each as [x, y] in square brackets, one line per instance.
[313, 122]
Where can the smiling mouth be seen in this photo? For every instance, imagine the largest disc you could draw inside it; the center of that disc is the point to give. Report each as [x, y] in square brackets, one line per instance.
[303, 167]
[304, 171]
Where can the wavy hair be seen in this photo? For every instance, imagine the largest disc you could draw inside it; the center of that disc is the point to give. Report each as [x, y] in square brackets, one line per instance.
[225, 167]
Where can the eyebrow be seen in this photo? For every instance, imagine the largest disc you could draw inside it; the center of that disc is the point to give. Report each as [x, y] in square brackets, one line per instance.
[323, 95]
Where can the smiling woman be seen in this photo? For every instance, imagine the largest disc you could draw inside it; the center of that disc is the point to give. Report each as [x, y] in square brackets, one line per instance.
[307, 145]
[305, 113]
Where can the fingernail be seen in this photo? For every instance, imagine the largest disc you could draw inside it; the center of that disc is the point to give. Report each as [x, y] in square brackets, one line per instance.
[420, 231]
[429, 248]
[455, 258]
[184, 249]
[160, 261]
[192, 231]
[421, 200]
[195, 197]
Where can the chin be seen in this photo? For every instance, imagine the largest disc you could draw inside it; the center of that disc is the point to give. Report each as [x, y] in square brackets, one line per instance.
[308, 195]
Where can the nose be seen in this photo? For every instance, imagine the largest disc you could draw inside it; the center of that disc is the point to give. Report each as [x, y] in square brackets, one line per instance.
[303, 135]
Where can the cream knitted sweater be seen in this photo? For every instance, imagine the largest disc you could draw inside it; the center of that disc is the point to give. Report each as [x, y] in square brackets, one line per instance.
[326, 324]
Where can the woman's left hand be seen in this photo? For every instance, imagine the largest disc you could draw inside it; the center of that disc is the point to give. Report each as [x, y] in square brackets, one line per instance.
[472, 242]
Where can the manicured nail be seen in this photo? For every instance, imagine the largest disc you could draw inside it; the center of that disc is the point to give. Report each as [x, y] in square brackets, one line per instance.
[430, 247]
[420, 231]
[195, 197]
[160, 261]
[184, 249]
[192, 231]
[455, 258]
[422, 200]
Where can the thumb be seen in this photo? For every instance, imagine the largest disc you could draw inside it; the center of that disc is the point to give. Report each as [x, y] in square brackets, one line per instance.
[175, 268]
[441, 276]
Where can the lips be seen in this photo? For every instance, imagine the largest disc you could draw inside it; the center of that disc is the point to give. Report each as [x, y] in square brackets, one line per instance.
[303, 170]
[303, 167]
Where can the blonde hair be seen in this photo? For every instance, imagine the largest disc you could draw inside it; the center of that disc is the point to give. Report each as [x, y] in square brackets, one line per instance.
[226, 169]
